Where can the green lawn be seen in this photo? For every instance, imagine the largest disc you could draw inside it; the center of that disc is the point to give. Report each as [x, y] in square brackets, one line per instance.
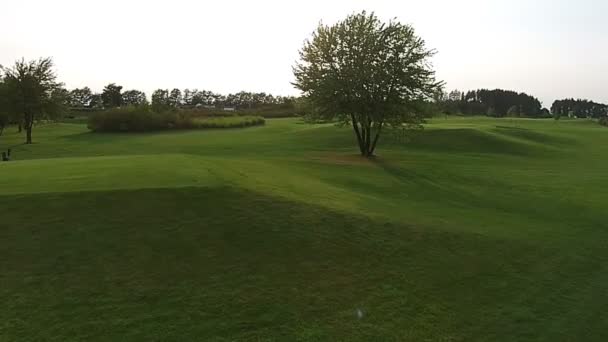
[474, 230]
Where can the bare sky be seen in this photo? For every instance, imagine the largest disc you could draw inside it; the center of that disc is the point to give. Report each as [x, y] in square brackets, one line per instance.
[548, 48]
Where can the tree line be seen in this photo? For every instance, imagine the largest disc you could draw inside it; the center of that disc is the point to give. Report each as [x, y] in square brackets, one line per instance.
[579, 108]
[30, 93]
[113, 96]
[495, 103]
[360, 71]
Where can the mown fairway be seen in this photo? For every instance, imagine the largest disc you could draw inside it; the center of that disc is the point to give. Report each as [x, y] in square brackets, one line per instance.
[476, 230]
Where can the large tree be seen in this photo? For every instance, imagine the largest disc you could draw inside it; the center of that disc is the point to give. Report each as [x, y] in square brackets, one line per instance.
[366, 73]
[33, 92]
[112, 96]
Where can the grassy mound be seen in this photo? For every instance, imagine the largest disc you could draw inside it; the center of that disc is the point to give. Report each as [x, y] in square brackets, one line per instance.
[283, 233]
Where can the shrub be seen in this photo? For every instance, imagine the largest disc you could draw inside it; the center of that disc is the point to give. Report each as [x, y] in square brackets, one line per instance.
[131, 119]
[142, 119]
[603, 121]
[229, 122]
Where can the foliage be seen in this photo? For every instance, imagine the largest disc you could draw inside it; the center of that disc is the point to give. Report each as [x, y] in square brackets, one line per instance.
[228, 122]
[134, 98]
[494, 103]
[4, 106]
[80, 97]
[513, 111]
[142, 119]
[33, 91]
[603, 121]
[175, 98]
[545, 113]
[112, 96]
[160, 100]
[579, 108]
[366, 73]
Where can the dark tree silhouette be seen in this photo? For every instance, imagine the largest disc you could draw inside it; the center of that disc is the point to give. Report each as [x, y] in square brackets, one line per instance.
[112, 96]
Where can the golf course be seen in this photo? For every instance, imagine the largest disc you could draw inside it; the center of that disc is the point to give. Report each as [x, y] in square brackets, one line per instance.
[471, 229]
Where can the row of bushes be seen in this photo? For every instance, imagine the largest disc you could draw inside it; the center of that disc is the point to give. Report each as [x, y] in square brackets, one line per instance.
[136, 119]
[229, 122]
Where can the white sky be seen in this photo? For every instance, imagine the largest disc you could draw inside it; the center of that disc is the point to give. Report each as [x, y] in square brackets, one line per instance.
[548, 48]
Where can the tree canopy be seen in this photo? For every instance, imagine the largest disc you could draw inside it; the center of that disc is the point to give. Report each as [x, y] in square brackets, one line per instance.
[366, 73]
[33, 91]
[112, 96]
[496, 102]
[134, 98]
[579, 108]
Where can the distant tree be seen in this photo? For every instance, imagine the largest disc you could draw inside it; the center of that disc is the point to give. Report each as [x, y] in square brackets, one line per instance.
[368, 74]
[4, 106]
[545, 113]
[134, 98]
[33, 91]
[175, 98]
[187, 98]
[579, 108]
[96, 102]
[513, 111]
[455, 95]
[491, 112]
[4, 121]
[160, 100]
[80, 97]
[112, 96]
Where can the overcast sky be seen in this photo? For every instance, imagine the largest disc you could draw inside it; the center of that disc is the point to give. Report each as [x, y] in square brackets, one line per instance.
[549, 48]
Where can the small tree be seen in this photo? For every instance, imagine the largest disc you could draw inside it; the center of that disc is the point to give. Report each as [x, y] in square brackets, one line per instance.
[368, 74]
[33, 91]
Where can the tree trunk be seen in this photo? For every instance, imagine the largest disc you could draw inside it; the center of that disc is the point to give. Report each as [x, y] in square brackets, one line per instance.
[358, 134]
[28, 139]
[373, 147]
[19, 128]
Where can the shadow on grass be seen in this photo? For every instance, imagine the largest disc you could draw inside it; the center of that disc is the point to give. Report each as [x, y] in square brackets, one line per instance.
[532, 136]
[465, 140]
[246, 265]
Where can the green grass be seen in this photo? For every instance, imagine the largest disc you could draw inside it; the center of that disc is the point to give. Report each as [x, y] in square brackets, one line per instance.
[477, 229]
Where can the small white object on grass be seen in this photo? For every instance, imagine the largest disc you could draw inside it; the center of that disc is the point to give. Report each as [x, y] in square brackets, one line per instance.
[359, 313]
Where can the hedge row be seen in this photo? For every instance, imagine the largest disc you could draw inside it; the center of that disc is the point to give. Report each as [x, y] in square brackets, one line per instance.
[134, 119]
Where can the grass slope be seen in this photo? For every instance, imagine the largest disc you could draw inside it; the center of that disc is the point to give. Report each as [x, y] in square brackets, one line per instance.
[475, 230]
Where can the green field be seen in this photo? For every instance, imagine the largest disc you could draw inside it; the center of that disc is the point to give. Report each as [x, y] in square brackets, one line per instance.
[475, 230]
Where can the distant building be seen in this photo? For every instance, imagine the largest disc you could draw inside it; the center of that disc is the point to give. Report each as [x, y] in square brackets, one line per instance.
[229, 109]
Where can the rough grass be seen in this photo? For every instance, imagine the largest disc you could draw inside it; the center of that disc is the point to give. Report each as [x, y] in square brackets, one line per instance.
[477, 230]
